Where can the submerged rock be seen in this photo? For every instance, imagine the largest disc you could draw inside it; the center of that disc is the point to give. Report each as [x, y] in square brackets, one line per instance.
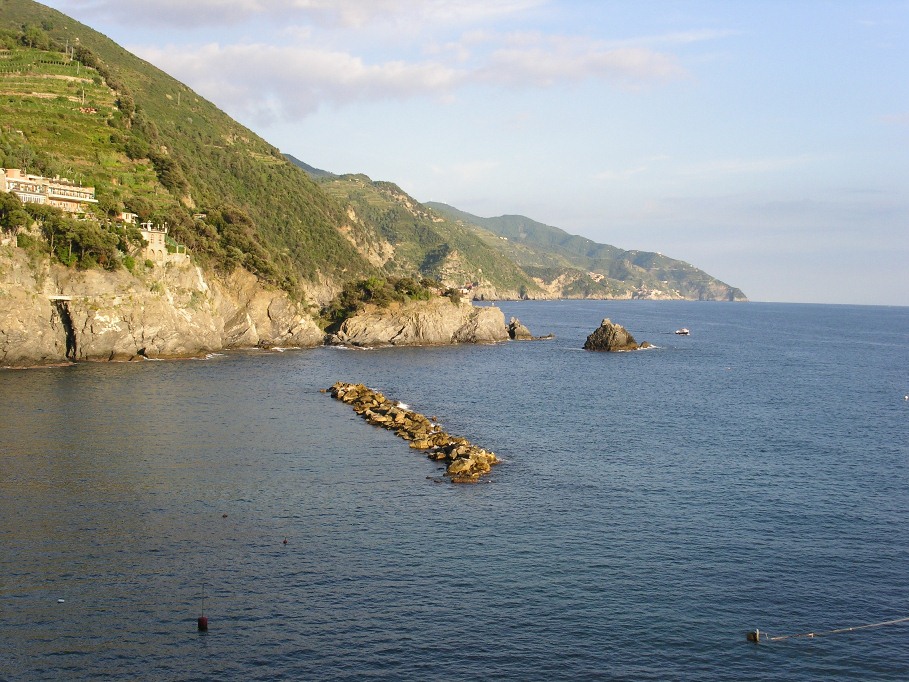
[612, 337]
[465, 461]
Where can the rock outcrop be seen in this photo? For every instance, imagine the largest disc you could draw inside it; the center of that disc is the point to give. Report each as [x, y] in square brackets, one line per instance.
[419, 323]
[612, 337]
[465, 462]
[518, 332]
[51, 314]
[168, 311]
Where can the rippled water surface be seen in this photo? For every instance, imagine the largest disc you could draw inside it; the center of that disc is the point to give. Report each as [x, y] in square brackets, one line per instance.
[653, 507]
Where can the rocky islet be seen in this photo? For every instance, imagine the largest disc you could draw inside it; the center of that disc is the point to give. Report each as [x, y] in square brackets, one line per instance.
[612, 337]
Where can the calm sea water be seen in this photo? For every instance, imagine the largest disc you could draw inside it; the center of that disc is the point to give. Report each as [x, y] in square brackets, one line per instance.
[653, 507]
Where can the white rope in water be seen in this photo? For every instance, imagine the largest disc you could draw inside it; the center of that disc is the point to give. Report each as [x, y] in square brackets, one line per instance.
[758, 636]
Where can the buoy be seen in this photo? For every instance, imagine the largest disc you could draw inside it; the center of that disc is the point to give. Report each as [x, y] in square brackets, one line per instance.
[203, 624]
[754, 636]
[285, 541]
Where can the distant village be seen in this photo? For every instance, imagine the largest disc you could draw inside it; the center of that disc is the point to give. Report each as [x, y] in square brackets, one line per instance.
[74, 199]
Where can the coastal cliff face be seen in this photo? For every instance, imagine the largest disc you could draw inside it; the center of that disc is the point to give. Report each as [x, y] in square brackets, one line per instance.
[173, 310]
[435, 322]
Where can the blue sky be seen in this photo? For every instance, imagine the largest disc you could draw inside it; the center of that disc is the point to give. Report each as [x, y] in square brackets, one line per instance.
[765, 142]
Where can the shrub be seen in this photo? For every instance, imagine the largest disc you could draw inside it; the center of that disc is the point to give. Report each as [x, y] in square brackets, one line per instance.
[374, 290]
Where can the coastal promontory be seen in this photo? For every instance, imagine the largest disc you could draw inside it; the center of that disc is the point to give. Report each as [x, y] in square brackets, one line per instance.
[438, 321]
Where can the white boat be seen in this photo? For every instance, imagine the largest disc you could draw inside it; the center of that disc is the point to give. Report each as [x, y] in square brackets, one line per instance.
[683, 331]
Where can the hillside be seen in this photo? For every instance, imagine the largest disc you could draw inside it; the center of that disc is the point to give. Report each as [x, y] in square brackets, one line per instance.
[402, 236]
[76, 105]
[551, 254]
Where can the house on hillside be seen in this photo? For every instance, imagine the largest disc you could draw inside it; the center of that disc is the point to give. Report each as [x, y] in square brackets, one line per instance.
[156, 238]
[36, 189]
[156, 247]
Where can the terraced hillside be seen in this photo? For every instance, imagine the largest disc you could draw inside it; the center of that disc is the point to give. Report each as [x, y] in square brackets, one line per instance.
[150, 145]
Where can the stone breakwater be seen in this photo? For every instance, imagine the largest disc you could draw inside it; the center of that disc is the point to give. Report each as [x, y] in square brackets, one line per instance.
[465, 462]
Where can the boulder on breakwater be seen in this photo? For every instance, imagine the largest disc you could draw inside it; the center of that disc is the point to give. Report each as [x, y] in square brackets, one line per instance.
[465, 462]
[612, 337]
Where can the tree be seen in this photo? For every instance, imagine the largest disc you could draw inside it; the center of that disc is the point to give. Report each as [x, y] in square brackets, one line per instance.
[35, 37]
[12, 214]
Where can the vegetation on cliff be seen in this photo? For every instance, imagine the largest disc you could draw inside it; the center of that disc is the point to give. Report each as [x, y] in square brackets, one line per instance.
[378, 291]
[77, 105]
[591, 269]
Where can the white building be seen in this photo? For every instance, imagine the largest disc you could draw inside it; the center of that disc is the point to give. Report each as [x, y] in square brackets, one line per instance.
[156, 236]
[36, 189]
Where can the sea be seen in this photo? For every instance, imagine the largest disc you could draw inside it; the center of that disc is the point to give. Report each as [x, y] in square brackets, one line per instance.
[652, 508]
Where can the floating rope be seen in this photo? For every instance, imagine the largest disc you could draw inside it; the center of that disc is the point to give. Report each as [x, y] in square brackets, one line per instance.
[758, 636]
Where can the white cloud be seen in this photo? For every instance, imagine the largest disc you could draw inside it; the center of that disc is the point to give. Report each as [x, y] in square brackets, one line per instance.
[271, 82]
[896, 119]
[532, 59]
[268, 82]
[336, 13]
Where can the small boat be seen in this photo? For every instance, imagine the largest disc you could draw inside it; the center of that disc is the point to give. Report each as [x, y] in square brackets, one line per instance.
[683, 331]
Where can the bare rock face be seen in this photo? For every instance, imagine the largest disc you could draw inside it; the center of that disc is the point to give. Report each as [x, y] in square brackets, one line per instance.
[31, 332]
[612, 337]
[418, 323]
[169, 311]
[517, 331]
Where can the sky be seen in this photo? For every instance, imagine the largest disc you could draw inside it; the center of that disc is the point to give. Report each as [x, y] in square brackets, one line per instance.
[765, 142]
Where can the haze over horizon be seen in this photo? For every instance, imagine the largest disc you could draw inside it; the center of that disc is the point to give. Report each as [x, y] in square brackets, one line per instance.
[765, 143]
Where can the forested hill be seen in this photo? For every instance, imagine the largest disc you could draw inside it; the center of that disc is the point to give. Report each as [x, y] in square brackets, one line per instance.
[550, 252]
[158, 149]
[77, 105]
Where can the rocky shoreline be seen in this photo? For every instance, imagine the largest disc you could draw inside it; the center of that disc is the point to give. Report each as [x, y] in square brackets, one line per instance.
[51, 315]
[465, 462]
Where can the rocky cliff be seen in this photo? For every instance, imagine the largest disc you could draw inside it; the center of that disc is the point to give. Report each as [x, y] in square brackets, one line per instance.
[51, 314]
[418, 323]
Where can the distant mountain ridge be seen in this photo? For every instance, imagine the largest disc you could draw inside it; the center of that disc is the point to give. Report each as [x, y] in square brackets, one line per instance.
[550, 253]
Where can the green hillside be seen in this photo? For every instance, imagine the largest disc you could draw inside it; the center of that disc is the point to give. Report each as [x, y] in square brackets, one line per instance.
[74, 104]
[547, 252]
[384, 220]
[154, 147]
